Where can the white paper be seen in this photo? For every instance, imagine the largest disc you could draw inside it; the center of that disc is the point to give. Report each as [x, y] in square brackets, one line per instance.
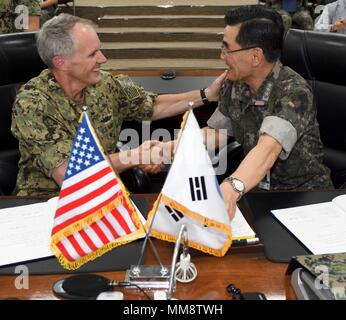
[240, 228]
[320, 227]
[25, 232]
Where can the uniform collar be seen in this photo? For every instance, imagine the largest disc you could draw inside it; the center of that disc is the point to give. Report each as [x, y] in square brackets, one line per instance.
[67, 107]
[261, 97]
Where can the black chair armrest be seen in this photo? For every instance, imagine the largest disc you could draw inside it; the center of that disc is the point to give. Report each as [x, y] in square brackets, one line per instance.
[8, 170]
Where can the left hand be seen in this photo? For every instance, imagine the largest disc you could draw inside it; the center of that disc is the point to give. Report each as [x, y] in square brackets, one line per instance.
[230, 197]
[212, 92]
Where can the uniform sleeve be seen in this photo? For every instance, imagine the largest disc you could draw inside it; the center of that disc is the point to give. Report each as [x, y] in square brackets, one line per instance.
[324, 21]
[282, 131]
[40, 135]
[293, 115]
[136, 103]
[219, 119]
[33, 6]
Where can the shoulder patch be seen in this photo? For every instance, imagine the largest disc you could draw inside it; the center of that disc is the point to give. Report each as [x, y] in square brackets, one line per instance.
[129, 88]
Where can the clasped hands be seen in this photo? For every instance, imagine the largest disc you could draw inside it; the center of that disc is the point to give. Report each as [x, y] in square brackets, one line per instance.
[152, 156]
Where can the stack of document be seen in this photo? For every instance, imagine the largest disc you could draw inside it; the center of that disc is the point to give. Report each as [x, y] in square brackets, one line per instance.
[241, 230]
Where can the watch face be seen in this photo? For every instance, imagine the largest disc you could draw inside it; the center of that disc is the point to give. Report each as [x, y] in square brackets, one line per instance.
[238, 185]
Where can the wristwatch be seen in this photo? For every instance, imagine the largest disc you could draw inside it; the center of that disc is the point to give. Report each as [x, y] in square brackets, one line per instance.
[237, 185]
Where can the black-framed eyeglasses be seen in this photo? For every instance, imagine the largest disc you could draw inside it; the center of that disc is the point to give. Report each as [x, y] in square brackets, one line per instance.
[227, 52]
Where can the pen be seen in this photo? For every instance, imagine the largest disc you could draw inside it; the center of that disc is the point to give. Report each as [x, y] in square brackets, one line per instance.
[245, 242]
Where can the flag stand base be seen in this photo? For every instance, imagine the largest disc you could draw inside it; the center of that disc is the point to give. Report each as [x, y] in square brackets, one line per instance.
[148, 277]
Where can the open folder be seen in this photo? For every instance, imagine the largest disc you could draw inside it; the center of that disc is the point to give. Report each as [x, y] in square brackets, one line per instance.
[25, 231]
[320, 227]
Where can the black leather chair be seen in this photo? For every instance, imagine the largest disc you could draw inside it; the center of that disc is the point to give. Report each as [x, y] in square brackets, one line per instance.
[320, 59]
[19, 62]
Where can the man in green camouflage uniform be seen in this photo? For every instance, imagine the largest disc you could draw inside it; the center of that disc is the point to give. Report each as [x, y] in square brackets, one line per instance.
[299, 18]
[268, 108]
[48, 107]
[8, 15]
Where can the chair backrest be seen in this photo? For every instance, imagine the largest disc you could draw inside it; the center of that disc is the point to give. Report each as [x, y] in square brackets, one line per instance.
[19, 62]
[320, 59]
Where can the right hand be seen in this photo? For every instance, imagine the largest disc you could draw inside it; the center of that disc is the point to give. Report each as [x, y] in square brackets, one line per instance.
[230, 198]
[150, 156]
[339, 24]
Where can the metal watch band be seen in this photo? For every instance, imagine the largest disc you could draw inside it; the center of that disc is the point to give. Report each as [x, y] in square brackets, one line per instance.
[230, 181]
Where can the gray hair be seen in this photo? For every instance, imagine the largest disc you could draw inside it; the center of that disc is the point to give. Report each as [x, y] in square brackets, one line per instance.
[55, 37]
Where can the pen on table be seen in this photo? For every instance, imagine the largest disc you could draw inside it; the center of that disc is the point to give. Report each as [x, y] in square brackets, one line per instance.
[245, 242]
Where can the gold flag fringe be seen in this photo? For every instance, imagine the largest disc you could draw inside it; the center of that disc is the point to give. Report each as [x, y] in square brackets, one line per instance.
[87, 221]
[196, 216]
[203, 220]
[215, 252]
[183, 121]
[72, 265]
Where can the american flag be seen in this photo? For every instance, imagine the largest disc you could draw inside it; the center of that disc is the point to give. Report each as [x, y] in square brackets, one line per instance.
[94, 213]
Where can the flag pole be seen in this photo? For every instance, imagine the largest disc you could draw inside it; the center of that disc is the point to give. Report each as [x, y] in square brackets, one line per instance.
[85, 109]
[136, 269]
[163, 269]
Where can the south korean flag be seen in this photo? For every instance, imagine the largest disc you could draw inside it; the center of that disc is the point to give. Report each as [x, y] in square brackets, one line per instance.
[191, 195]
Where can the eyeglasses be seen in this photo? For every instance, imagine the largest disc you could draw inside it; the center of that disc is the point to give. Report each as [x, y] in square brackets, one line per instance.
[226, 52]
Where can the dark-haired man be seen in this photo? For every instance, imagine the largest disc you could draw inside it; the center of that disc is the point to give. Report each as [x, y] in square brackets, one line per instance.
[268, 108]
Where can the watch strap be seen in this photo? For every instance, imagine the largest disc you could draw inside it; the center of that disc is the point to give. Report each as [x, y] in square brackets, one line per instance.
[230, 180]
[204, 97]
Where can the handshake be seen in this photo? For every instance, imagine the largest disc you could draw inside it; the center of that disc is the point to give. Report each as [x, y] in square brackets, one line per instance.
[152, 156]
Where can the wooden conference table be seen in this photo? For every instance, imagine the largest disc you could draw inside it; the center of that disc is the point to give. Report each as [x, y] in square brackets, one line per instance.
[245, 266]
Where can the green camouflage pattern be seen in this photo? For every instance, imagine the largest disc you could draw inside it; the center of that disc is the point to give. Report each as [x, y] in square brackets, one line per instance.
[286, 18]
[8, 15]
[48, 14]
[284, 94]
[303, 20]
[44, 120]
[300, 19]
[334, 268]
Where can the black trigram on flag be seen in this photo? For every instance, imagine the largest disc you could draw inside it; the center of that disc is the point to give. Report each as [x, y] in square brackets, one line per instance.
[176, 215]
[197, 188]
